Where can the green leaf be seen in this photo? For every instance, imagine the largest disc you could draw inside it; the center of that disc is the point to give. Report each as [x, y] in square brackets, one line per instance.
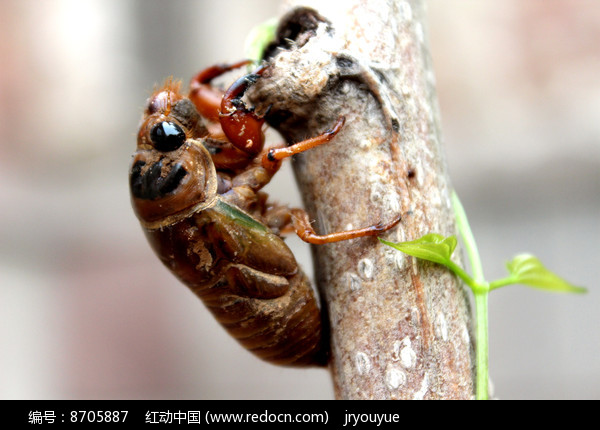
[438, 249]
[526, 269]
[431, 247]
[258, 39]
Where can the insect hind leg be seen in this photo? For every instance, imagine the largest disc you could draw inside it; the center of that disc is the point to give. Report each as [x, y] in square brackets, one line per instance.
[306, 232]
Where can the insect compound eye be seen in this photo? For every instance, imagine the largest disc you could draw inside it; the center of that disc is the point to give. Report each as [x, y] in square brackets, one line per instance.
[167, 136]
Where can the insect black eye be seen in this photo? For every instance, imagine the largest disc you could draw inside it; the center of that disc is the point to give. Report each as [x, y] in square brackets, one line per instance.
[167, 136]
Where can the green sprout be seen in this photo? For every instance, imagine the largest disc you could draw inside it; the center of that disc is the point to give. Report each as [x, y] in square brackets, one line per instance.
[259, 38]
[524, 269]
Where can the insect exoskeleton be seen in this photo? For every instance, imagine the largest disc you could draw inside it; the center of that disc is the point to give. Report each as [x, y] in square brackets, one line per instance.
[242, 270]
[195, 187]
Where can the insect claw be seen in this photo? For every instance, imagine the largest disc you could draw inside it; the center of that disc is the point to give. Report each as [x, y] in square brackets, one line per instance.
[337, 126]
[384, 227]
[267, 111]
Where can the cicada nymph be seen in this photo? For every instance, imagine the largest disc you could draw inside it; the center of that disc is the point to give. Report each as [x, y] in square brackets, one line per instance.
[195, 183]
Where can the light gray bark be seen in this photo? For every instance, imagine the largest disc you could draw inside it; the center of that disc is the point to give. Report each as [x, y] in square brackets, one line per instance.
[400, 328]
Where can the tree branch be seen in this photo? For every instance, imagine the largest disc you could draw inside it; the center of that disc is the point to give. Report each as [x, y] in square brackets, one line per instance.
[400, 328]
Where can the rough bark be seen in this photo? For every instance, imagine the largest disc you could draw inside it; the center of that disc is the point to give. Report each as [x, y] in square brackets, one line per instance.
[400, 328]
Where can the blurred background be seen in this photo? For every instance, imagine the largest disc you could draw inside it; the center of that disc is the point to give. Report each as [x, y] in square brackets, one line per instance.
[88, 312]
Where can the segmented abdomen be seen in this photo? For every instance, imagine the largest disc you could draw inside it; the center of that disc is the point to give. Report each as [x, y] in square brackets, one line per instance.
[283, 327]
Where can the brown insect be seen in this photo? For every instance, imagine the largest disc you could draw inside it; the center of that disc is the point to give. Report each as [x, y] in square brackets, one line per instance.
[195, 184]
